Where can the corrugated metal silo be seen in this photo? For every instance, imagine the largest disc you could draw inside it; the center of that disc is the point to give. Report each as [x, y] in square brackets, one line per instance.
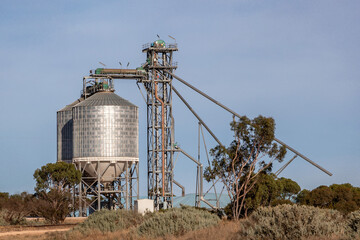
[65, 132]
[105, 135]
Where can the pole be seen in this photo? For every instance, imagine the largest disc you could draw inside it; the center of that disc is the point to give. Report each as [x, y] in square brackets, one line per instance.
[197, 116]
[234, 113]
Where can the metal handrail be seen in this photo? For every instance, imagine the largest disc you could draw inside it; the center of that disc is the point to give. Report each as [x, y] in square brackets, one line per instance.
[167, 45]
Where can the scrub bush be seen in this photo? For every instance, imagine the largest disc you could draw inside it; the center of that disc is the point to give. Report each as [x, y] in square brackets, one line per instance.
[293, 222]
[353, 224]
[176, 221]
[2, 219]
[110, 221]
[15, 208]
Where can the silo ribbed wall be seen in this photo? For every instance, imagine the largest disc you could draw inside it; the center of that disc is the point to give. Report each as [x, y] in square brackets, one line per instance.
[65, 133]
[105, 131]
[105, 128]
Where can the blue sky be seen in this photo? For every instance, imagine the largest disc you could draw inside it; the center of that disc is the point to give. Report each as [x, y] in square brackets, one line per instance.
[297, 61]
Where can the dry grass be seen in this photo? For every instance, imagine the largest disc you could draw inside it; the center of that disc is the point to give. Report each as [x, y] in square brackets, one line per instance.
[28, 231]
[334, 237]
[230, 229]
[68, 220]
[224, 230]
[177, 222]
[110, 221]
[92, 235]
[292, 222]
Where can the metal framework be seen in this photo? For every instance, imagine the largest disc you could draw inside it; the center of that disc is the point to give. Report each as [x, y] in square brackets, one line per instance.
[239, 116]
[92, 194]
[160, 123]
[156, 75]
[96, 192]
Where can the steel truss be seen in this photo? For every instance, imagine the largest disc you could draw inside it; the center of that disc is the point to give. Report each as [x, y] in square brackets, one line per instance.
[92, 194]
[160, 123]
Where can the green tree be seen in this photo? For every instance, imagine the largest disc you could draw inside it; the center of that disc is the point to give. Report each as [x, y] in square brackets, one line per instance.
[345, 197]
[289, 188]
[303, 197]
[270, 191]
[321, 197]
[4, 197]
[264, 192]
[356, 197]
[342, 197]
[58, 175]
[250, 153]
[53, 187]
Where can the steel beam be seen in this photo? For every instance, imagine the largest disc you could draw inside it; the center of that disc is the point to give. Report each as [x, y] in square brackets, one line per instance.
[197, 116]
[239, 116]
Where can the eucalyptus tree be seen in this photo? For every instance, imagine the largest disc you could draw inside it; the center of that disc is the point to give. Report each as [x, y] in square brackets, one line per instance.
[252, 152]
[54, 182]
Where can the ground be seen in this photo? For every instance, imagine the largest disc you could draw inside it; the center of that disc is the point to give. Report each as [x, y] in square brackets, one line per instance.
[37, 231]
[224, 230]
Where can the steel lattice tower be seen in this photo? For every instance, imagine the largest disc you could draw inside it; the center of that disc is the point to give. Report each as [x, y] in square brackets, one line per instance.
[160, 123]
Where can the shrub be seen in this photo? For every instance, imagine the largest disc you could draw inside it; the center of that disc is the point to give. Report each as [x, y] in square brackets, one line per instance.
[177, 222]
[12, 217]
[15, 208]
[52, 205]
[3, 222]
[4, 197]
[110, 221]
[278, 202]
[353, 224]
[293, 222]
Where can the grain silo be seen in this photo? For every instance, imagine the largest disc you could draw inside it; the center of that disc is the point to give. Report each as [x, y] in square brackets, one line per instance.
[105, 150]
[105, 131]
[99, 134]
[65, 132]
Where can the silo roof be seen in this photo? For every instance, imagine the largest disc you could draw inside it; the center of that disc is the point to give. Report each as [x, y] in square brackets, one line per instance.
[105, 99]
[70, 106]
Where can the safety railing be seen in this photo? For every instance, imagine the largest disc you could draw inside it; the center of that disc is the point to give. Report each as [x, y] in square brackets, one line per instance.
[167, 45]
